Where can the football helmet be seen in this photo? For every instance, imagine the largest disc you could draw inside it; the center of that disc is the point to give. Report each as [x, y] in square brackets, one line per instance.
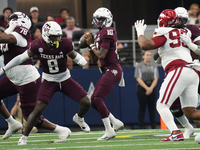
[182, 15]
[21, 18]
[51, 28]
[102, 17]
[168, 18]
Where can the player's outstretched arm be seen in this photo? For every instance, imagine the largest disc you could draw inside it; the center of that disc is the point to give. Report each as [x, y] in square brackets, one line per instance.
[144, 43]
[77, 58]
[187, 41]
[16, 61]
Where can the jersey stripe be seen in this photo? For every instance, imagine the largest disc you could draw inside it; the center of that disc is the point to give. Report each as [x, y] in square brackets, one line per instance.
[174, 84]
[168, 86]
[171, 83]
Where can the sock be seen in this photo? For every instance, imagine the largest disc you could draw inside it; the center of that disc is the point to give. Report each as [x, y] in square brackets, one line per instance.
[167, 116]
[60, 130]
[10, 120]
[107, 124]
[112, 118]
[184, 121]
[25, 137]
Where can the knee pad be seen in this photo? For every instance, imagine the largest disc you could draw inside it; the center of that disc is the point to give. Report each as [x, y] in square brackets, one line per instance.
[161, 106]
[39, 122]
[177, 112]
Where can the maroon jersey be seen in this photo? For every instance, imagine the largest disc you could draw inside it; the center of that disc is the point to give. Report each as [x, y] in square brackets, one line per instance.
[12, 50]
[194, 30]
[53, 60]
[195, 33]
[107, 39]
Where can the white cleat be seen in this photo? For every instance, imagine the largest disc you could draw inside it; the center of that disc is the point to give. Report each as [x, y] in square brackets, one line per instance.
[118, 125]
[12, 129]
[81, 122]
[63, 138]
[197, 139]
[188, 132]
[23, 140]
[107, 135]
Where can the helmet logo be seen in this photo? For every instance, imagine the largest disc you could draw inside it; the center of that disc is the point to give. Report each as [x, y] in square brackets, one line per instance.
[46, 28]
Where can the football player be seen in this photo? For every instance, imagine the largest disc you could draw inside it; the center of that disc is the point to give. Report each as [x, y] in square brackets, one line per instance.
[23, 79]
[181, 80]
[176, 106]
[103, 47]
[52, 51]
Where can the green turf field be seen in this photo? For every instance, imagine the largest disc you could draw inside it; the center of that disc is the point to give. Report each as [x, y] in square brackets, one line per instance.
[125, 140]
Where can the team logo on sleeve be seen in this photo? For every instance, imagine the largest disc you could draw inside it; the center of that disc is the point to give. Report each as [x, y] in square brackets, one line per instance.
[40, 50]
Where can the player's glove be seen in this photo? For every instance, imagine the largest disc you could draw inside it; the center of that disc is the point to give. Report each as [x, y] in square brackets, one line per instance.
[187, 41]
[140, 27]
[12, 25]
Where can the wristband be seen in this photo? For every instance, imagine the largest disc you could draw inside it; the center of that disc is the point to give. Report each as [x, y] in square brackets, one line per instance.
[92, 46]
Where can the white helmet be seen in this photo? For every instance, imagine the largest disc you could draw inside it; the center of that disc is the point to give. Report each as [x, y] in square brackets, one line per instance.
[21, 18]
[51, 28]
[182, 14]
[102, 17]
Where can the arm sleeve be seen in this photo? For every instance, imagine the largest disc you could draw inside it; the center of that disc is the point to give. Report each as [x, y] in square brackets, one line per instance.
[21, 41]
[159, 41]
[17, 60]
[80, 60]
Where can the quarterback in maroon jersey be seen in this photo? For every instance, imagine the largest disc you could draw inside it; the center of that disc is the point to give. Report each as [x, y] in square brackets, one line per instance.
[52, 50]
[103, 47]
[24, 78]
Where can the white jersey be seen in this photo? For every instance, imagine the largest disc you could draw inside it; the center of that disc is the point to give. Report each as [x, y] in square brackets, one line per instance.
[22, 74]
[173, 49]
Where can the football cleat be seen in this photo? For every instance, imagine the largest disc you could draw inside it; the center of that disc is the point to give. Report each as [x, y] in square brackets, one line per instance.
[118, 125]
[12, 129]
[175, 136]
[197, 139]
[81, 122]
[65, 134]
[108, 135]
[23, 140]
[188, 132]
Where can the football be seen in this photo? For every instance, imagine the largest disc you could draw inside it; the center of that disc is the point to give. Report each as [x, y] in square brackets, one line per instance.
[82, 42]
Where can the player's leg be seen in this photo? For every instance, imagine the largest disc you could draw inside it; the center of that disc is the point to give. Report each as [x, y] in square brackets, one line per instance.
[173, 85]
[35, 119]
[7, 88]
[78, 94]
[103, 87]
[178, 114]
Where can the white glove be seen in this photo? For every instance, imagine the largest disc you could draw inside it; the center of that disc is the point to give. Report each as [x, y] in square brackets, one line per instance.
[140, 27]
[185, 39]
[1, 71]
[12, 25]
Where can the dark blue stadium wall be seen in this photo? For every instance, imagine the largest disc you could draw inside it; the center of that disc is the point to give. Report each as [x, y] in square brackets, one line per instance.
[122, 101]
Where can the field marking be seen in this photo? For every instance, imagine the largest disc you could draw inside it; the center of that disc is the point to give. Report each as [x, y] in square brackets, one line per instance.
[115, 145]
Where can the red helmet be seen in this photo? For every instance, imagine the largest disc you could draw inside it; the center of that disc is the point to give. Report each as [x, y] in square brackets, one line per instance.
[168, 18]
